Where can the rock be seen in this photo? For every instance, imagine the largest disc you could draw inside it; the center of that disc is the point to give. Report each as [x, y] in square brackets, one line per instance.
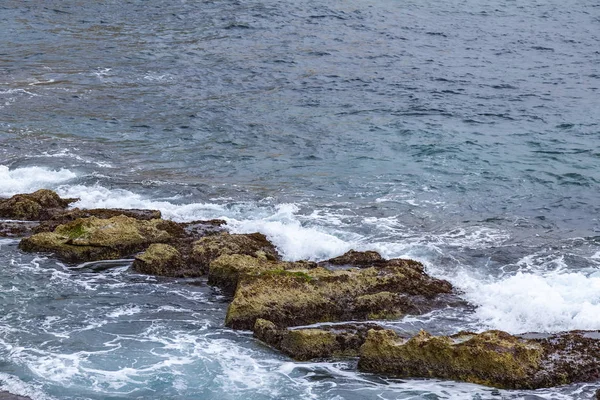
[357, 258]
[159, 259]
[91, 239]
[226, 270]
[302, 296]
[365, 259]
[102, 213]
[597, 396]
[199, 229]
[211, 247]
[342, 340]
[40, 205]
[492, 358]
[13, 229]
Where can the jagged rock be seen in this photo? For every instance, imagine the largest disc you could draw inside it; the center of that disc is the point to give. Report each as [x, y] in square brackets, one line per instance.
[226, 270]
[306, 344]
[492, 358]
[199, 229]
[301, 296]
[36, 206]
[159, 259]
[356, 258]
[102, 213]
[90, 239]
[211, 247]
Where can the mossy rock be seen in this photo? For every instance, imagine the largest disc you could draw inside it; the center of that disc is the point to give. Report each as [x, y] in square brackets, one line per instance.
[295, 297]
[91, 239]
[209, 248]
[332, 341]
[226, 270]
[492, 358]
[101, 213]
[159, 259]
[40, 205]
[357, 258]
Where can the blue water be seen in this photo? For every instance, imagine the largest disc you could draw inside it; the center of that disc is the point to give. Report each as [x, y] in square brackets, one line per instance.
[465, 134]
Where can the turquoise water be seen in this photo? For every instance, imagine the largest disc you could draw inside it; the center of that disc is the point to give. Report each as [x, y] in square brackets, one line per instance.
[464, 134]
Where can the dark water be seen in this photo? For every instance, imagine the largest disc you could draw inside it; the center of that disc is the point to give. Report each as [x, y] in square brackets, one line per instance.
[465, 134]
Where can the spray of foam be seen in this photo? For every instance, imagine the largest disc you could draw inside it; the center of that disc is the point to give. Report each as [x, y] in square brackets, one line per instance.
[527, 302]
[29, 179]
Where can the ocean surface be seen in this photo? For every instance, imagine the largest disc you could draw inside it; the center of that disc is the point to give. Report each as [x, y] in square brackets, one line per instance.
[461, 133]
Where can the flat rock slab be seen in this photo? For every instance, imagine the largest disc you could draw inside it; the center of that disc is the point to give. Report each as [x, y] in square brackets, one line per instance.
[492, 358]
[293, 297]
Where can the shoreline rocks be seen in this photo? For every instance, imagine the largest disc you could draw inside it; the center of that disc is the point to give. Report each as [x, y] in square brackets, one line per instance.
[491, 358]
[303, 344]
[291, 297]
[276, 299]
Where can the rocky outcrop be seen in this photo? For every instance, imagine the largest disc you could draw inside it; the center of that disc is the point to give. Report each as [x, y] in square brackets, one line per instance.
[91, 239]
[328, 341]
[102, 213]
[228, 269]
[492, 358]
[160, 259]
[37, 206]
[357, 259]
[209, 248]
[304, 296]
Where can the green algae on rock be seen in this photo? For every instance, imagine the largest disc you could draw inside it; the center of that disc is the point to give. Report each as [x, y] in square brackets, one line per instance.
[226, 270]
[91, 239]
[492, 358]
[209, 248]
[340, 340]
[305, 296]
[159, 259]
[36, 206]
[103, 213]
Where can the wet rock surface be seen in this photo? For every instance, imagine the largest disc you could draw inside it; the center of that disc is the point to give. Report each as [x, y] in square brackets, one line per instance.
[492, 358]
[327, 341]
[102, 213]
[160, 259]
[91, 239]
[211, 247]
[37, 206]
[302, 296]
[228, 269]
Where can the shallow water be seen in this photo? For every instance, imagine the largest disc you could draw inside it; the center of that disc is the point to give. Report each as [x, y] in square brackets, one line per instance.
[463, 134]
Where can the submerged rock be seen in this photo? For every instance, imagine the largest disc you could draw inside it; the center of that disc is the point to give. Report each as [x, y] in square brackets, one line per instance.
[91, 239]
[227, 270]
[305, 296]
[160, 259]
[209, 248]
[40, 205]
[492, 358]
[343, 340]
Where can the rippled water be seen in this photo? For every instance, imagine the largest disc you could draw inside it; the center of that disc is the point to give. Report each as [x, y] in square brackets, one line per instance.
[464, 134]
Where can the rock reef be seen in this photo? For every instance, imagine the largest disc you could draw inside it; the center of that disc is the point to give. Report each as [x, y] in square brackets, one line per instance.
[281, 301]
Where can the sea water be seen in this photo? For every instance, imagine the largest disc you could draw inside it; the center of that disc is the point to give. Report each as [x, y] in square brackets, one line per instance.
[464, 134]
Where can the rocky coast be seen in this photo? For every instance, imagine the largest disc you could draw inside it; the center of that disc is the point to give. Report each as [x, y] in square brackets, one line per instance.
[307, 310]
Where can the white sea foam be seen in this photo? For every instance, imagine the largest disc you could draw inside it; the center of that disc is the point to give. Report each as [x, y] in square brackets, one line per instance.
[14, 385]
[29, 179]
[527, 302]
